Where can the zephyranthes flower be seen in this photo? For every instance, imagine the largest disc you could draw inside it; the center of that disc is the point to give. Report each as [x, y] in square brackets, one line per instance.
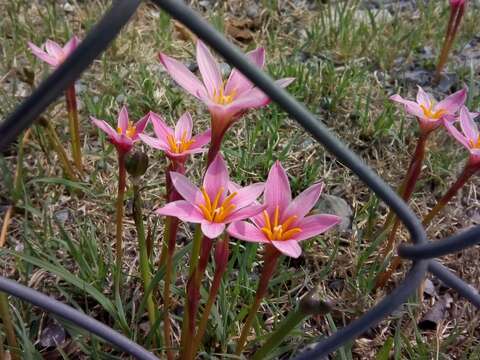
[469, 137]
[213, 206]
[429, 113]
[177, 143]
[54, 54]
[284, 222]
[127, 132]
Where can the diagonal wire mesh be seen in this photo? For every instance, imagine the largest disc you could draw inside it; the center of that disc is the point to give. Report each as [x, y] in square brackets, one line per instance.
[422, 252]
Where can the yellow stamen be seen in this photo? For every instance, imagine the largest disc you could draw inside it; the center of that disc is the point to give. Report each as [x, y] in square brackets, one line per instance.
[207, 199]
[221, 98]
[216, 212]
[179, 147]
[130, 131]
[279, 232]
[473, 144]
[432, 115]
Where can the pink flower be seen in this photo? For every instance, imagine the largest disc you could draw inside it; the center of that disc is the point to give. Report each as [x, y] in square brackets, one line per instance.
[284, 223]
[213, 206]
[177, 143]
[226, 101]
[127, 132]
[54, 54]
[431, 114]
[469, 137]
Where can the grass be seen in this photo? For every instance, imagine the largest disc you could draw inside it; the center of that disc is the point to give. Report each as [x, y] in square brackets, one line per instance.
[346, 60]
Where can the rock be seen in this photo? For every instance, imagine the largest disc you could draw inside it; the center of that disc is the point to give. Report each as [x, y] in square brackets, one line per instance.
[419, 77]
[253, 10]
[68, 7]
[429, 288]
[436, 314]
[447, 82]
[52, 335]
[334, 205]
[62, 216]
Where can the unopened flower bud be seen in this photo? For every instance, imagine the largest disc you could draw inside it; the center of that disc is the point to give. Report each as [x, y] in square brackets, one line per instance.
[313, 304]
[136, 163]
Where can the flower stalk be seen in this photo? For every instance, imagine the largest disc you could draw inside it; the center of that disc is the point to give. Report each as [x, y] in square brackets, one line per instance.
[72, 110]
[271, 256]
[119, 221]
[8, 326]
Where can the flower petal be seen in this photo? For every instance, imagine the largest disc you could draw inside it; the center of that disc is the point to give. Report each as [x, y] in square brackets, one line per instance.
[457, 135]
[212, 230]
[314, 225]
[216, 177]
[245, 213]
[304, 202]
[105, 127]
[423, 98]
[70, 46]
[184, 126]
[185, 188]
[183, 210]
[182, 76]
[122, 120]
[469, 127]
[140, 126]
[247, 195]
[277, 189]
[288, 247]
[156, 143]
[54, 50]
[237, 83]
[410, 106]
[208, 66]
[161, 129]
[42, 55]
[452, 103]
[201, 139]
[243, 230]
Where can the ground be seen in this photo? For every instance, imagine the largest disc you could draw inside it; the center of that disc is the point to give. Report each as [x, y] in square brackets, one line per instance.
[347, 57]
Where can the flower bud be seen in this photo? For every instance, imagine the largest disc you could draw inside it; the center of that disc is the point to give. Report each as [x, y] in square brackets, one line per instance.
[313, 304]
[136, 163]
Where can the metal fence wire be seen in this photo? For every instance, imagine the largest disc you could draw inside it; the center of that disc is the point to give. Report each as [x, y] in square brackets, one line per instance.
[421, 253]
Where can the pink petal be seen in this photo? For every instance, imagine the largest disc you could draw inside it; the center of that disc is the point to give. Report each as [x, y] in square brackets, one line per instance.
[154, 142]
[237, 82]
[42, 55]
[201, 139]
[140, 126]
[423, 98]
[457, 135]
[245, 213]
[183, 210]
[469, 127]
[185, 188]
[184, 125]
[277, 189]
[216, 177]
[105, 127]
[161, 129]
[212, 78]
[303, 203]
[288, 247]
[70, 46]
[247, 195]
[453, 102]
[410, 106]
[122, 120]
[314, 225]
[243, 230]
[54, 50]
[212, 230]
[183, 76]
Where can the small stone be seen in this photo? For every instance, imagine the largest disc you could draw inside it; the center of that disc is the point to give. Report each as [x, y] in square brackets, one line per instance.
[68, 7]
[420, 77]
[121, 99]
[447, 82]
[334, 205]
[225, 69]
[19, 247]
[52, 335]
[429, 288]
[62, 216]
[253, 10]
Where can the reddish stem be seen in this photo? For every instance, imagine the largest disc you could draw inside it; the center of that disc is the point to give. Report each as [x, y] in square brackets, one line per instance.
[74, 126]
[269, 267]
[119, 219]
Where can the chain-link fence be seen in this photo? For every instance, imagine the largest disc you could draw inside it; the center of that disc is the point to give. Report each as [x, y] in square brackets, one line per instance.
[422, 252]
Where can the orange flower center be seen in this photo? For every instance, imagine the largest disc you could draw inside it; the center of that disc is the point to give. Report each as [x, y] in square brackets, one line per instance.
[432, 115]
[179, 147]
[276, 231]
[221, 98]
[213, 211]
[475, 145]
[131, 130]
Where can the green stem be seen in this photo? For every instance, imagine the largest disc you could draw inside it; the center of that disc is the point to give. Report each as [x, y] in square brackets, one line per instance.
[144, 261]
[74, 127]
[269, 266]
[187, 327]
[119, 222]
[8, 325]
